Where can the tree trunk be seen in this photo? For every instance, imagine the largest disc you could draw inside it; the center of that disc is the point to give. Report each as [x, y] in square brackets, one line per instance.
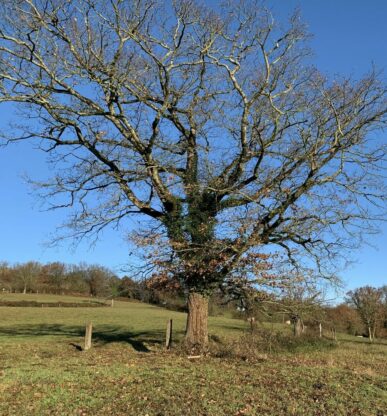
[25, 290]
[370, 334]
[196, 336]
[252, 324]
[168, 335]
[297, 329]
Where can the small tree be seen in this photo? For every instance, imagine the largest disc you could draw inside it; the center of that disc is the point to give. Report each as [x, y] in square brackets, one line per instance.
[368, 302]
[301, 302]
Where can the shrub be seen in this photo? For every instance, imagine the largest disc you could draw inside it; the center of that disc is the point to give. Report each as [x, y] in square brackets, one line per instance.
[256, 347]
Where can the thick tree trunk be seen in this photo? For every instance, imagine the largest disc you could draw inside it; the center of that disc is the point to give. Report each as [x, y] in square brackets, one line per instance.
[196, 336]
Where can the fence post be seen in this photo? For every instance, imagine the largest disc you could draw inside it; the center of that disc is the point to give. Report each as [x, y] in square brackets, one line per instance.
[88, 335]
[168, 335]
[112, 303]
[251, 321]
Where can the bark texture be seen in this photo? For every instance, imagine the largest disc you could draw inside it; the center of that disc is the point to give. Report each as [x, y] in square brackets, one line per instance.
[197, 328]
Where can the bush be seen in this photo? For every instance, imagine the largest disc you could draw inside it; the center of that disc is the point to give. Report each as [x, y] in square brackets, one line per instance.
[256, 347]
[304, 343]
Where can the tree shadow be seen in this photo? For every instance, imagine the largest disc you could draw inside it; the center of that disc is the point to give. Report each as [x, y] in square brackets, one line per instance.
[76, 346]
[101, 334]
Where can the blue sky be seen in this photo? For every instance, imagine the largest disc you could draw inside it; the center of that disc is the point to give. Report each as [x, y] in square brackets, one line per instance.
[349, 36]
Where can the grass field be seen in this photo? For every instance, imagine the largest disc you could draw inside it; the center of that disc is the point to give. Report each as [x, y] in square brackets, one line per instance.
[127, 372]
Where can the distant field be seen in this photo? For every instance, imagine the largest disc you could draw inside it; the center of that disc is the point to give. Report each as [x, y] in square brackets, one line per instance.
[52, 301]
[45, 298]
[124, 322]
[128, 373]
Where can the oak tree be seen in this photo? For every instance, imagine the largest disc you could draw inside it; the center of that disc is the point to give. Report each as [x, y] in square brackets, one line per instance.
[209, 123]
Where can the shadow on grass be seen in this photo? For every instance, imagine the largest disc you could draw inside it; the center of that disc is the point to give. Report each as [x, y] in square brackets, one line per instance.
[101, 334]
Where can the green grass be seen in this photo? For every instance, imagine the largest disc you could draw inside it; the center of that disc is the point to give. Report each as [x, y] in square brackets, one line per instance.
[45, 298]
[127, 372]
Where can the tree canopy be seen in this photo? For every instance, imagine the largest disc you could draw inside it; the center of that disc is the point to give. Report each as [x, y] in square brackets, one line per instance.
[211, 124]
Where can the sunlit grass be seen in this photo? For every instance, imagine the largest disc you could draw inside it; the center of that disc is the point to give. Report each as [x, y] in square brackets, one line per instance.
[127, 372]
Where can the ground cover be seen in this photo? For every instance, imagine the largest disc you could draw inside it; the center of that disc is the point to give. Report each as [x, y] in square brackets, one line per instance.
[127, 372]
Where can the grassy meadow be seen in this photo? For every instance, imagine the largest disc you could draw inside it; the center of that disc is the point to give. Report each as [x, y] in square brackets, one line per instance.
[127, 372]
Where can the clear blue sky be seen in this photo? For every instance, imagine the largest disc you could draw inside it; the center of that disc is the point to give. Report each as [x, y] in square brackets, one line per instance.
[349, 35]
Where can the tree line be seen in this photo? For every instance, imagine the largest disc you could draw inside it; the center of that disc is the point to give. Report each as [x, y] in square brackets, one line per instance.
[84, 279]
[58, 278]
[364, 311]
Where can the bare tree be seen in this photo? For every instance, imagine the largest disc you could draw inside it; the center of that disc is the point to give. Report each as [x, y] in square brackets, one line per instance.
[6, 283]
[54, 275]
[368, 302]
[210, 124]
[97, 278]
[27, 274]
[300, 302]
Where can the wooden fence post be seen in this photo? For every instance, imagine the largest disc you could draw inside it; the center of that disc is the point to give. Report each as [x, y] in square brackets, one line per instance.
[88, 335]
[251, 321]
[168, 335]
